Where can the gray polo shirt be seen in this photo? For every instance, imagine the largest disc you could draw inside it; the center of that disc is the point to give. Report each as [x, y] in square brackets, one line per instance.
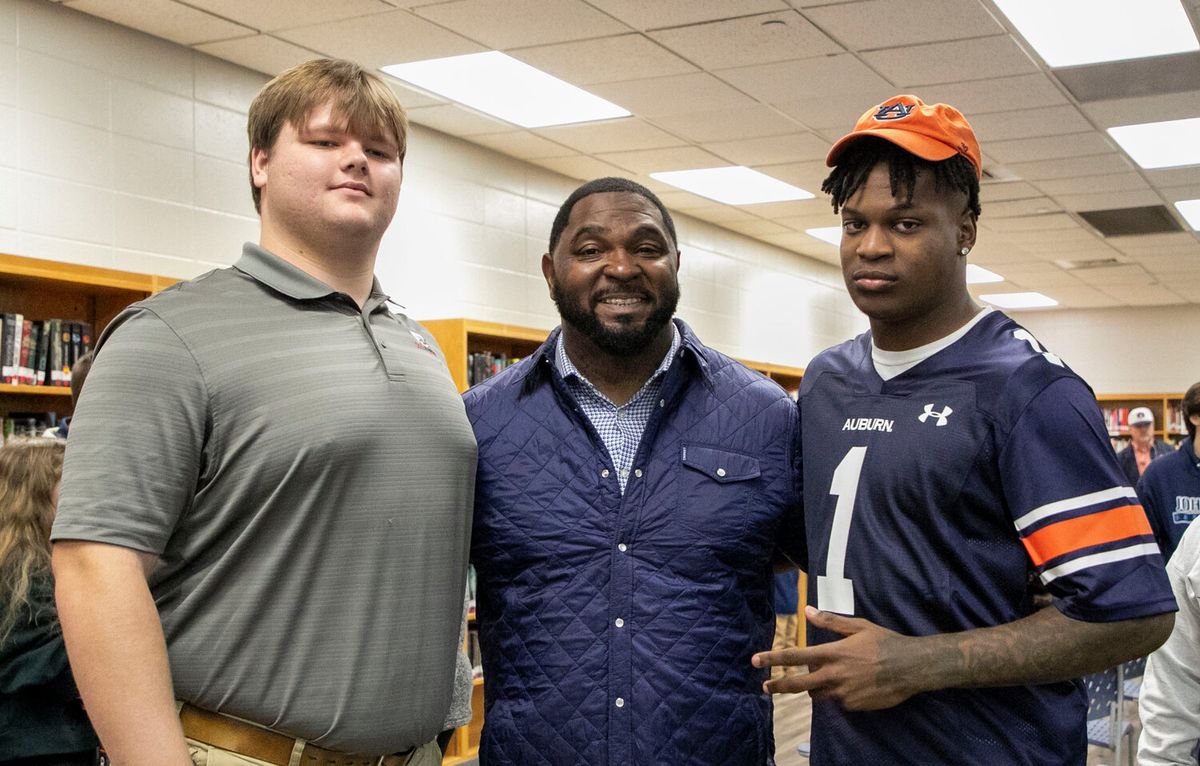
[305, 472]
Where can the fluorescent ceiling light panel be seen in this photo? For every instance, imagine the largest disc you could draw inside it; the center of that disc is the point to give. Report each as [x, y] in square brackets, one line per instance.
[503, 87]
[1190, 210]
[977, 275]
[1161, 144]
[830, 234]
[1019, 300]
[1073, 32]
[735, 185]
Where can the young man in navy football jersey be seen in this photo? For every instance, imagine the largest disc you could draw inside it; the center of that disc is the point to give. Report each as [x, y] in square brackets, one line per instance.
[951, 467]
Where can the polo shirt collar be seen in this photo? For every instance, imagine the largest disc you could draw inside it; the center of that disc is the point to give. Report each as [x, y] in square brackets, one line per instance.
[283, 277]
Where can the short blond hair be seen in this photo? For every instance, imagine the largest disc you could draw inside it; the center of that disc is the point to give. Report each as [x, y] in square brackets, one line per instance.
[359, 97]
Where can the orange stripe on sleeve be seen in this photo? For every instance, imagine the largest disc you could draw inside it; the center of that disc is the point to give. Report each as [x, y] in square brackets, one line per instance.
[1083, 532]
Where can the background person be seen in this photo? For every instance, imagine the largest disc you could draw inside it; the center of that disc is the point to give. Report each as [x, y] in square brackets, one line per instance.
[1143, 447]
[40, 712]
[1170, 488]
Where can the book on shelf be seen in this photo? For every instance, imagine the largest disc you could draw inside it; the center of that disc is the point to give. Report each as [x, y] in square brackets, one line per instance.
[482, 365]
[41, 352]
[1175, 424]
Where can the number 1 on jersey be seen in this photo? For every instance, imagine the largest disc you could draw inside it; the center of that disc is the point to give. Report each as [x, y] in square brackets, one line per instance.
[835, 593]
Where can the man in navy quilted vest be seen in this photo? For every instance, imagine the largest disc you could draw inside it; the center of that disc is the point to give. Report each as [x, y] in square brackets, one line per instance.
[633, 486]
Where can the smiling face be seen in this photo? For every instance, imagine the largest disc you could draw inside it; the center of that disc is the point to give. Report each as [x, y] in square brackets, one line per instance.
[614, 273]
[902, 262]
[321, 180]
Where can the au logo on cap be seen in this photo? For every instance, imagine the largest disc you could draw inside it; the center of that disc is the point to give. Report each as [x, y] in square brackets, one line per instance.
[897, 111]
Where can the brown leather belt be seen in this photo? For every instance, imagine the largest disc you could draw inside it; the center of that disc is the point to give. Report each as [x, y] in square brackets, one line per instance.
[265, 745]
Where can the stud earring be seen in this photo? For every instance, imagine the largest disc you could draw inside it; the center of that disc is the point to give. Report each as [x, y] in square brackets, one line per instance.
[965, 250]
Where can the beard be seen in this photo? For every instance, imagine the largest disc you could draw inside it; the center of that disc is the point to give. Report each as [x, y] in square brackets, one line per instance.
[626, 338]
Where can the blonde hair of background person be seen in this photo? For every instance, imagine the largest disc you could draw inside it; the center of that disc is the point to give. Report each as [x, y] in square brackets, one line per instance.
[29, 475]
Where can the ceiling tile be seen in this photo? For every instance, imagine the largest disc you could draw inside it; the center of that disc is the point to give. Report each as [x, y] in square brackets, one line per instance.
[504, 24]
[582, 168]
[1072, 167]
[722, 214]
[808, 207]
[629, 134]
[1143, 295]
[892, 23]
[1109, 200]
[1168, 177]
[1152, 243]
[1050, 147]
[1005, 190]
[997, 95]
[1175, 264]
[262, 53]
[806, 175]
[979, 59]
[1080, 297]
[1038, 276]
[831, 91]
[748, 40]
[457, 120]
[1131, 274]
[640, 14]
[522, 144]
[1020, 207]
[654, 160]
[1028, 123]
[727, 124]
[164, 18]
[797, 147]
[410, 98]
[1046, 222]
[797, 242]
[395, 37]
[1129, 181]
[1130, 111]
[677, 94]
[604, 59]
[757, 227]
[272, 15]
[681, 200]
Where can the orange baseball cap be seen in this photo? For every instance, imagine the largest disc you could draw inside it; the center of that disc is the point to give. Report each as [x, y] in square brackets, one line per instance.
[930, 131]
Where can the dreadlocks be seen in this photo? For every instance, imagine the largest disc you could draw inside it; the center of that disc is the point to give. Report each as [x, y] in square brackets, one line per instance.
[857, 161]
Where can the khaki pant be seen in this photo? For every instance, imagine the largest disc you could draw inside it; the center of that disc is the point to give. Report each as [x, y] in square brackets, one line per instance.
[786, 627]
[428, 754]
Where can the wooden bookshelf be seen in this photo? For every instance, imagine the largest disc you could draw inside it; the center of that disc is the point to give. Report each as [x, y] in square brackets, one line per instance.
[787, 377]
[460, 337]
[41, 289]
[1168, 419]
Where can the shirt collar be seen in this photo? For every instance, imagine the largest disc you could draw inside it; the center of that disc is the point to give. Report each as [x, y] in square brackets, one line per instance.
[283, 277]
[568, 370]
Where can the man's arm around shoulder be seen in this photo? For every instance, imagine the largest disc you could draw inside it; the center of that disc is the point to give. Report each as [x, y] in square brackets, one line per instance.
[117, 651]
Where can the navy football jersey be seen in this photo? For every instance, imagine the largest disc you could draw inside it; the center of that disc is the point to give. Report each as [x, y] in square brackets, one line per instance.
[934, 501]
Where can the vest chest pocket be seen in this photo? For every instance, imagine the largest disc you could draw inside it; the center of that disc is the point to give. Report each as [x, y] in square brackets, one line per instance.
[718, 490]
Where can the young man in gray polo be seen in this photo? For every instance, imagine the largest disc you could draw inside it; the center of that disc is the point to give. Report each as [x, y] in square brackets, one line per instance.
[261, 540]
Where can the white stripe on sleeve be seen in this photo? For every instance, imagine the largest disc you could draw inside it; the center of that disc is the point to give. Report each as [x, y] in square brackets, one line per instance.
[1096, 559]
[1073, 503]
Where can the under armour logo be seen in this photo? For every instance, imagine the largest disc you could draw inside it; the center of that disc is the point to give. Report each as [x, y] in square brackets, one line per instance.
[943, 417]
[895, 111]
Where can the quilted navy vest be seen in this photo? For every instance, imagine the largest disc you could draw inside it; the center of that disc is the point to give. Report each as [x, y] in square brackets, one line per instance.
[619, 629]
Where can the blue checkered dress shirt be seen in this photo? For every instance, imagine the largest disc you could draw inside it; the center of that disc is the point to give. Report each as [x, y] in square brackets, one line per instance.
[620, 428]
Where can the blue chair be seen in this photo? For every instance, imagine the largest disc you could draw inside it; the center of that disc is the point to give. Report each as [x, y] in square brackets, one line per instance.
[1134, 670]
[1106, 724]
